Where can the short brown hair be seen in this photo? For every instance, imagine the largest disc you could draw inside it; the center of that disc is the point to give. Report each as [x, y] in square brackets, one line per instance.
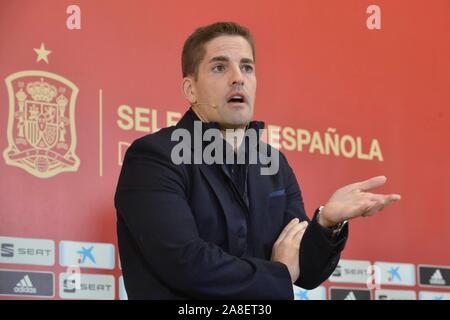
[194, 47]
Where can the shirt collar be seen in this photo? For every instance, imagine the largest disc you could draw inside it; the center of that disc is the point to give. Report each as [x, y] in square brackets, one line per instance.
[256, 125]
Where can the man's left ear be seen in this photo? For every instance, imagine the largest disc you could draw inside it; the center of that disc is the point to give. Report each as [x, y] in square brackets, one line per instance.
[189, 90]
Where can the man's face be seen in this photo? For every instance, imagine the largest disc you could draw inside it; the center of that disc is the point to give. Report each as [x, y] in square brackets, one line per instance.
[226, 79]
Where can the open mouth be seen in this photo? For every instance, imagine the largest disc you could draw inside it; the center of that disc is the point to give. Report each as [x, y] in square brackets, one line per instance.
[236, 99]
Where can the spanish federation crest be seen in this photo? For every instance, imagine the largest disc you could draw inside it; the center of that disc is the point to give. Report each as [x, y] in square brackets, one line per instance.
[41, 124]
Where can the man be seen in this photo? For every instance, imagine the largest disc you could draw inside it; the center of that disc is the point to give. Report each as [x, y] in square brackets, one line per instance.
[224, 230]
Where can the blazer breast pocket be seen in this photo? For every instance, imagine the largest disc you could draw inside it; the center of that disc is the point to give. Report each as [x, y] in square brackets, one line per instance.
[277, 201]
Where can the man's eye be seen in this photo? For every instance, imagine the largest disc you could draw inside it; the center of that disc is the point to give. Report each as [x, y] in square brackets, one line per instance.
[247, 68]
[219, 68]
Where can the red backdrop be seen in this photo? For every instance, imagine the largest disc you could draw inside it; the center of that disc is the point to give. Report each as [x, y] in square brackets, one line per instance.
[318, 67]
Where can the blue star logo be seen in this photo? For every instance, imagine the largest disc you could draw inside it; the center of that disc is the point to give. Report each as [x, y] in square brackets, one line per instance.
[86, 253]
[302, 295]
[394, 274]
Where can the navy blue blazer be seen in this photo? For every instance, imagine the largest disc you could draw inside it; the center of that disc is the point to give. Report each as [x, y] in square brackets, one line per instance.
[185, 232]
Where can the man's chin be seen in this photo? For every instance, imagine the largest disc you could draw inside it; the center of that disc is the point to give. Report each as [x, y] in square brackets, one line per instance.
[235, 123]
[237, 119]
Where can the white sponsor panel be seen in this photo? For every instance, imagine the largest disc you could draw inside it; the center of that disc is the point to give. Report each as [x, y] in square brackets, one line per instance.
[400, 274]
[318, 293]
[87, 286]
[27, 251]
[433, 295]
[87, 254]
[351, 271]
[122, 291]
[384, 294]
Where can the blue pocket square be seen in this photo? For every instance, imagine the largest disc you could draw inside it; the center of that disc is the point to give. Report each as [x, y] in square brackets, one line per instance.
[277, 193]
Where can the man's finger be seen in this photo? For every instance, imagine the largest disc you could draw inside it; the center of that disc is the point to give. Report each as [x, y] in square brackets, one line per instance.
[380, 203]
[367, 206]
[374, 208]
[295, 229]
[379, 197]
[371, 183]
[283, 233]
[299, 235]
[394, 197]
[384, 198]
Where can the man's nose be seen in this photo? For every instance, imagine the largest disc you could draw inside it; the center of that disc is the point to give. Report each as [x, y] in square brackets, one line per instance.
[236, 77]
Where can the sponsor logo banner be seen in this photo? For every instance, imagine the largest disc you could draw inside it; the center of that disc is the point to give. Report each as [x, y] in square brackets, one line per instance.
[351, 271]
[122, 291]
[400, 274]
[434, 276]
[315, 294]
[27, 251]
[430, 295]
[87, 254]
[350, 294]
[86, 286]
[383, 294]
[26, 283]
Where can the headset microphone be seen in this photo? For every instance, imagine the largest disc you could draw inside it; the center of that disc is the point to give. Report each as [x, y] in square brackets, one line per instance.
[206, 104]
[215, 106]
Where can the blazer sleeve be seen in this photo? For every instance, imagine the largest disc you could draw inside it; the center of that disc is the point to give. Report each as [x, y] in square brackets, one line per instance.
[319, 253]
[151, 197]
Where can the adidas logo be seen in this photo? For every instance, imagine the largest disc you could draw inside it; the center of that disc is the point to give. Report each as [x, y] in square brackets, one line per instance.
[350, 296]
[437, 278]
[25, 286]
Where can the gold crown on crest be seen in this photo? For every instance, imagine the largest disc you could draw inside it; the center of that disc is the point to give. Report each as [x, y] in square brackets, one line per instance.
[41, 91]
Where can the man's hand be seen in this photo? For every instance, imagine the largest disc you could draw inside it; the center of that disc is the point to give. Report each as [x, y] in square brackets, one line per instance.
[286, 248]
[353, 201]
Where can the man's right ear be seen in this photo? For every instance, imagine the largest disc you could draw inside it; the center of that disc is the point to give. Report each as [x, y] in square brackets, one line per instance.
[189, 90]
